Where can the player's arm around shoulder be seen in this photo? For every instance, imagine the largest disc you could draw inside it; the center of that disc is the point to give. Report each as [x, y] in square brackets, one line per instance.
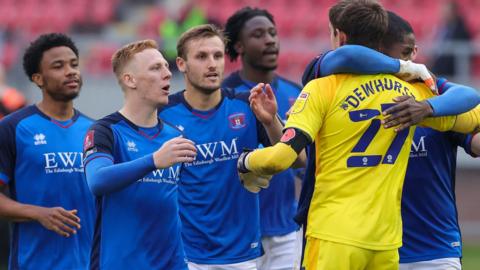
[426, 108]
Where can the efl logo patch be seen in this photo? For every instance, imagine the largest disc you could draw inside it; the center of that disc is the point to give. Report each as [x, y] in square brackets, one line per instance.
[237, 120]
[88, 142]
[288, 135]
[300, 103]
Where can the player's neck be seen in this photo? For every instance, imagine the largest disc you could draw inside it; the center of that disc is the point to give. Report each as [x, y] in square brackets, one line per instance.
[257, 75]
[200, 100]
[59, 110]
[141, 115]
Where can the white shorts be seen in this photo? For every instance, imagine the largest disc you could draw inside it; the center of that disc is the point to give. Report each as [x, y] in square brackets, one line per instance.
[248, 265]
[438, 264]
[281, 252]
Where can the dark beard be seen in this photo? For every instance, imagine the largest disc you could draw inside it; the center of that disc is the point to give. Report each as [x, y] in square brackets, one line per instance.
[63, 97]
[204, 90]
[263, 67]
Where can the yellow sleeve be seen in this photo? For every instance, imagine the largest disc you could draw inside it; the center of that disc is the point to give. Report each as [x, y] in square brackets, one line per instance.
[267, 161]
[312, 106]
[463, 123]
[468, 122]
[444, 123]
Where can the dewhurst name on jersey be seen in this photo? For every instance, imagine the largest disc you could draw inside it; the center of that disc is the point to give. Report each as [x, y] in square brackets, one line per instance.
[371, 88]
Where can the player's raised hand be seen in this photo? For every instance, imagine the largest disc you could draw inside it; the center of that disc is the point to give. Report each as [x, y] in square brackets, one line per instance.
[407, 112]
[174, 151]
[63, 222]
[263, 103]
[411, 71]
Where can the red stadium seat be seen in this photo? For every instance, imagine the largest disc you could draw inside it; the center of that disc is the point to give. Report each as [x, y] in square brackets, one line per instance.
[154, 17]
[8, 14]
[99, 58]
[476, 67]
[9, 54]
[102, 11]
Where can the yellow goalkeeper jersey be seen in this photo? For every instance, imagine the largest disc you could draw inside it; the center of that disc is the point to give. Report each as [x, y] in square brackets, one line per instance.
[360, 166]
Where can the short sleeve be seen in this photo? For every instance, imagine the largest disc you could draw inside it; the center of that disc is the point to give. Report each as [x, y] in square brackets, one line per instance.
[99, 139]
[309, 110]
[7, 151]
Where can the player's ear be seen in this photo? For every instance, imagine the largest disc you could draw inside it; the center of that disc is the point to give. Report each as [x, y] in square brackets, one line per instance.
[181, 65]
[415, 52]
[37, 78]
[342, 37]
[129, 80]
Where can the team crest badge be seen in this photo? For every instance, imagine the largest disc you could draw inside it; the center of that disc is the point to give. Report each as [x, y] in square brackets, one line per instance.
[237, 120]
[300, 103]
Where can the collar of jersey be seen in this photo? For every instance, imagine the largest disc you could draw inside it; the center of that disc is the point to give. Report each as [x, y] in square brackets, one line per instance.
[199, 113]
[62, 124]
[138, 129]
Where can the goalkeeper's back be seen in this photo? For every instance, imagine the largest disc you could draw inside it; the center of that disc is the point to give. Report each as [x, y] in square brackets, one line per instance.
[360, 165]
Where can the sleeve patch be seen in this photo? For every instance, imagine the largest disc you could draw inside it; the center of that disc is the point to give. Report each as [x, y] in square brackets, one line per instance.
[288, 135]
[89, 140]
[300, 103]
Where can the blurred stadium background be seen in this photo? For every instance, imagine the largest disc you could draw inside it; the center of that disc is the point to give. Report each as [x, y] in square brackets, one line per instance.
[99, 27]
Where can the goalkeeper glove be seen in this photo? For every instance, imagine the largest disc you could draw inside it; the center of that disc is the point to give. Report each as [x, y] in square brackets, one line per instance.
[253, 182]
[248, 179]
[410, 71]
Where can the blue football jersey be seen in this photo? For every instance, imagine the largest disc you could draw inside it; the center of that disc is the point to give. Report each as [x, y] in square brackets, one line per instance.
[430, 222]
[137, 227]
[220, 218]
[41, 162]
[429, 212]
[277, 203]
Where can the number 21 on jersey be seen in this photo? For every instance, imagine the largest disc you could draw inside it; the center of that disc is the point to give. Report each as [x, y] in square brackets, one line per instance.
[358, 160]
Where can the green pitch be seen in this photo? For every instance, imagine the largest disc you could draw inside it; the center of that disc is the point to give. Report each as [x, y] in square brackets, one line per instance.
[471, 257]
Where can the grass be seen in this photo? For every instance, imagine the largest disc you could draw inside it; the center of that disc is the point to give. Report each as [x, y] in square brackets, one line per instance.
[471, 257]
